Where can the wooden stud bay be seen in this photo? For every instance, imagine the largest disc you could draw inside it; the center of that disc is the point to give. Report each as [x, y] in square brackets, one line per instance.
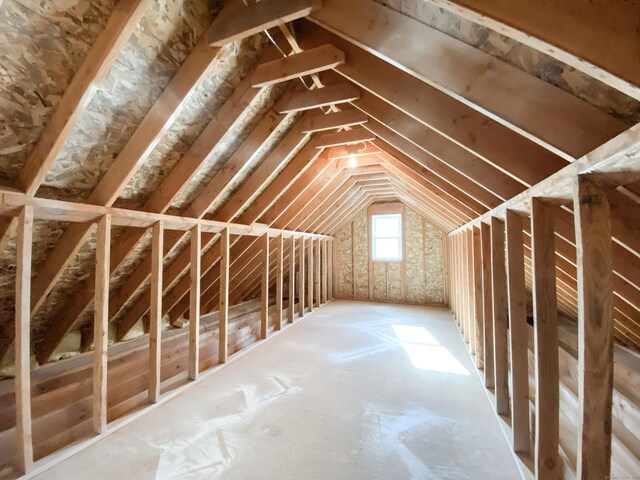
[595, 329]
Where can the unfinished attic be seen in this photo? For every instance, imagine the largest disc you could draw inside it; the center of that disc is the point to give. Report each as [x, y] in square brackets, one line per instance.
[305, 239]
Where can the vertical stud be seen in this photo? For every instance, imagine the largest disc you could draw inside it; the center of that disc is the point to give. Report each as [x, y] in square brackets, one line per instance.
[223, 298]
[194, 304]
[518, 333]
[101, 325]
[310, 274]
[22, 343]
[487, 298]
[500, 327]
[545, 310]
[155, 322]
[279, 279]
[292, 278]
[301, 268]
[477, 293]
[264, 309]
[595, 328]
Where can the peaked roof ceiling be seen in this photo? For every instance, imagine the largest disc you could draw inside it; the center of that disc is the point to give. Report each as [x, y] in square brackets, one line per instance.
[130, 107]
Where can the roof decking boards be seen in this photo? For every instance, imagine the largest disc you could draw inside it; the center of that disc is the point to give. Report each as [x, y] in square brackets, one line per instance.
[170, 117]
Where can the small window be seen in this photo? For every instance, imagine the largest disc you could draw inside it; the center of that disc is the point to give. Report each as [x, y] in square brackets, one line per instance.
[387, 237]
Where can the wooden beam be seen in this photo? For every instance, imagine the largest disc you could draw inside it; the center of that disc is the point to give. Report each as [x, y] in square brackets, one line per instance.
[330, 272]
[325, 269]
[264, 297]
[595, 329]
[237, 20]
[600, 40]
[292, 278]
[332, 121]
[310, 275]
[194, 303]
[101, 325]
[24, 441]
[545, 311]
[309, 62]
[318, 271]
[555, 119]
[320, 97]
[223, 344]
[478, 298]
[346, 137]
[155, 321]
[279, 280]
[301, 268]
[518, 333]
[500, 313]
[487, 299]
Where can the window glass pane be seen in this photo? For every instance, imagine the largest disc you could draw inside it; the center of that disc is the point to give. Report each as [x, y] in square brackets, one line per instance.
[387, 248]
[386, 225]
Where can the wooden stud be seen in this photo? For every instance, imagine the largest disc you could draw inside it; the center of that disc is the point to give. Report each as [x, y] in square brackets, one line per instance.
[487, 296]
[101, 325]
[471, 323]
[311, 61]
[545, 312]
[500, 313]
[264, 297]
[317, 270]
[301, 269]
[478, 298]
[155, 321]
[292, 278]
[325, 270]
[22, 344]
[518, 333]
[237, 20]
[279, 279]
[223, 299]
[595, 329]
[310, 274]
[194, 304]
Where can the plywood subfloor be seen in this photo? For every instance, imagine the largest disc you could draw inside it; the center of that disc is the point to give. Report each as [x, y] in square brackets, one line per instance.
[355, 391]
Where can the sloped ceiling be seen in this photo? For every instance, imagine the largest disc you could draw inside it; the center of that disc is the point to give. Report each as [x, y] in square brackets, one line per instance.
[179, 129]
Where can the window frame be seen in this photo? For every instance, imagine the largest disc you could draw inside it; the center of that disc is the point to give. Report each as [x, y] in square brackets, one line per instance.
[386, 210]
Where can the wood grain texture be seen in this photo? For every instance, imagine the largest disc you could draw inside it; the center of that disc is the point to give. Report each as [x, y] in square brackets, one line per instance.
[595, 329]
[264, 291]
[545, 311]
[487, 299]
[155, 321]
[194, 302]
[223, 305]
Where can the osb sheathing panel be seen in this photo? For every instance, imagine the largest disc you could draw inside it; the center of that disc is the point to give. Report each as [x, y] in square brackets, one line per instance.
[521, 56]
[42, 44]
[423, 263]
[344, 262]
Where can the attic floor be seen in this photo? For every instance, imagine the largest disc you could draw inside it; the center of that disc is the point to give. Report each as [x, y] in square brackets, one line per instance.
[355, 391]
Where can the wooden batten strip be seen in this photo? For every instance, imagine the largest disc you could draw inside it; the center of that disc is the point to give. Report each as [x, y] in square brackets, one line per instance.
[346, 137]
[194, 303]
[101, 325]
